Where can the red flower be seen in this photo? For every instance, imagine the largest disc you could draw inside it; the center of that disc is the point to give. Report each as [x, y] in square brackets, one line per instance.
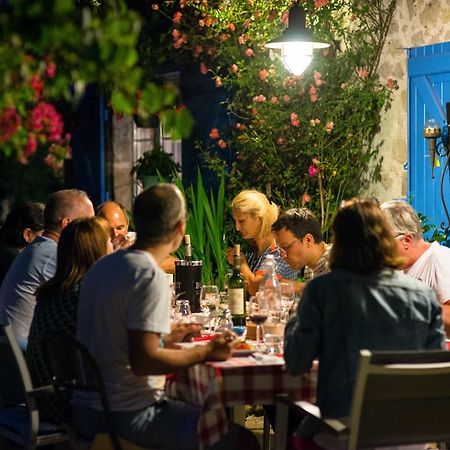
[203, 68]
[294, 120]
[177, 17]
[305, 199]
[222, 144]
[320, 3]
[363, 73]
[263, 74]
[249, 52]
[214, 133]
[313, 171]
[31, 145]
[50, 69]
[37, 85]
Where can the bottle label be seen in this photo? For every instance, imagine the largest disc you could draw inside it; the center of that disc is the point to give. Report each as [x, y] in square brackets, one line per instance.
[236, 301]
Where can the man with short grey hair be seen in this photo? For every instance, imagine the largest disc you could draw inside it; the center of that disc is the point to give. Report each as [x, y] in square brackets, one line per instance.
[425, 261]
[37, 263]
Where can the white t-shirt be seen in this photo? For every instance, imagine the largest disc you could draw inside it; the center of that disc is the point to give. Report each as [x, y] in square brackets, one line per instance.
[122, 291]
[433, 268]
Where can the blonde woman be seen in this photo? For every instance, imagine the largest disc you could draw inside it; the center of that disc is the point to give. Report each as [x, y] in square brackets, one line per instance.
[254, 215]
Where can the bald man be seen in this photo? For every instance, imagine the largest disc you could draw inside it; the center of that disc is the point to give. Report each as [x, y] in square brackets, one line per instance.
[117, 216]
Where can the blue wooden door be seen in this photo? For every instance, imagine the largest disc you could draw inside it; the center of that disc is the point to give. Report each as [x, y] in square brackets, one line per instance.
[429, 92]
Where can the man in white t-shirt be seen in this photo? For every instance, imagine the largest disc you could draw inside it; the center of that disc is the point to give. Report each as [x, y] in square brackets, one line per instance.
[428, 262]
[124, 320]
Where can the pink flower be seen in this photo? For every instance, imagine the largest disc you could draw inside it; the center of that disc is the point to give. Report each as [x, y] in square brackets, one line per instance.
[363, 73]
[214, 133]
[313, 94]
[50, 70]
[155, 7]
[175, 34]
[391, 83]
[286, 98]
[177, 17]
[45, 120]
[198, 50]
[313, 171]
[218, 82]
[241, 40]
[294, 120]
[281, 140]
[9, 124]
[234, 68]
[305, 199]
[318, 79]
[247, 24]
[201, 23]
[203, 69]
[263, 74]
[313, 123]
[285, 18]
[231, 26]
[248, 52]
[222, 144]
[274, 100]
[315, 161]
[240, 126]
[320, 3]
[31, 145]
[37, 85]
[259, 98]
[329, 127]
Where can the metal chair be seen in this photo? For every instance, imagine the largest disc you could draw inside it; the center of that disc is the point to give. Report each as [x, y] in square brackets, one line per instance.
[19, 415]
[72, 367]
[399, 398]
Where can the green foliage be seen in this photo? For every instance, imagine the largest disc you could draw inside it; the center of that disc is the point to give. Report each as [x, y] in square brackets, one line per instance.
[155, 162]
[205, 225]
[300, 140]
[50, 50]
[433, 233]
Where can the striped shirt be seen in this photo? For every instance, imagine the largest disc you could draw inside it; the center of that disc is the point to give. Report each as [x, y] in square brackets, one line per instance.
[321, 267]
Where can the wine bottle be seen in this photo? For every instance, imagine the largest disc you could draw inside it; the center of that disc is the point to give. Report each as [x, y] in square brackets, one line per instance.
[236, 290]
[187, 248]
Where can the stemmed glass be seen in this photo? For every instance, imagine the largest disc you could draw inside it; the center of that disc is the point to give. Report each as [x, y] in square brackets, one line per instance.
[287, 298]
[258, 312]
[209, 302]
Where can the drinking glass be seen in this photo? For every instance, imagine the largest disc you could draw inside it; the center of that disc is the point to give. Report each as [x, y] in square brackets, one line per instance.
[182, 310]
[287, 299]
[258, 312]
[209, 303]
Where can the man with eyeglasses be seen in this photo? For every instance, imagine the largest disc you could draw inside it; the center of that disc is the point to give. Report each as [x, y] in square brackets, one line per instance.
[425, 261]
[300, 242]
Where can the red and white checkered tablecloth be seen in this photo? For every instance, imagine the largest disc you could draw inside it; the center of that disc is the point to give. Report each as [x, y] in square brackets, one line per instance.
[237, 381]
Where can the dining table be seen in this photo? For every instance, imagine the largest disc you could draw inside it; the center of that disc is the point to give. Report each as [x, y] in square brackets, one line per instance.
[247, 378]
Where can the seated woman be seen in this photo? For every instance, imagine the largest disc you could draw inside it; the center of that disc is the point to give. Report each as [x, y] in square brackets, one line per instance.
[82, 243]
[22, 225]
[254, 216]
[363, 303]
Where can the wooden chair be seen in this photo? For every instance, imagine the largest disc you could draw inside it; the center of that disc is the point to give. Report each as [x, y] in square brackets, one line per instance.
[73, 368]
[19, 415]
[399, 398]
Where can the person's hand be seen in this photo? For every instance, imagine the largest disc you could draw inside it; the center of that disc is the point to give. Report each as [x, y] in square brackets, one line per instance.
[221, 347]
[121, 242]
[181, 331]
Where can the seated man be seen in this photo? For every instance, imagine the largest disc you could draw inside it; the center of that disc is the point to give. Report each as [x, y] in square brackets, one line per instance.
[124, 320]
[37, 263]
[363, 303]
[301, 244]
[117, 216]
[424, 261]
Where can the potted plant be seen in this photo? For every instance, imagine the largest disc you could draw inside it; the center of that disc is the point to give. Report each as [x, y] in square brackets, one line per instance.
[153, 166]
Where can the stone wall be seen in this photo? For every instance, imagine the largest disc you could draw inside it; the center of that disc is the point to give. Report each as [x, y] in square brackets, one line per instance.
[415, 23]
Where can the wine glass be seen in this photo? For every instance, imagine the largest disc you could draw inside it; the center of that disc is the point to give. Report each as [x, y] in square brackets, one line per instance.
[209, 302]
[287, 298]
[258, 312]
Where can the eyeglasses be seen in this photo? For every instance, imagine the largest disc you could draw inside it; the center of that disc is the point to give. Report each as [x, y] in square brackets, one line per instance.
[284, 250]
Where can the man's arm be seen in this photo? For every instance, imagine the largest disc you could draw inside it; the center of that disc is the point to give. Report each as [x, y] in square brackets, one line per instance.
[446, 317]
[148, 358]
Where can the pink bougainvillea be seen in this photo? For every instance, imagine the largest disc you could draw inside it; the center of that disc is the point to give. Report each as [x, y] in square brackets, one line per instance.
[222, 144]
[46, 121]
[294, 120]
[214, 133]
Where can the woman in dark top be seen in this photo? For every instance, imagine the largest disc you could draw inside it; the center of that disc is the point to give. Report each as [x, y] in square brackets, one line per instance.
[81, 244]
[22, 225]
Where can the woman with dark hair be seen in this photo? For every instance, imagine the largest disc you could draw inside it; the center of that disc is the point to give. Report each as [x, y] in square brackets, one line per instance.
[82, 243]
[363, 303]
[22, 225]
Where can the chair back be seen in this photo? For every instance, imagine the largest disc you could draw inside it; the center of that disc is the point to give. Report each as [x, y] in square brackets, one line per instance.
[19, 415]
[400, 398]
[72, 367]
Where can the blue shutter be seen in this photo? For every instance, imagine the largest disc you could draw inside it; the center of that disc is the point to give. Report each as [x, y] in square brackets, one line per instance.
[429, 91]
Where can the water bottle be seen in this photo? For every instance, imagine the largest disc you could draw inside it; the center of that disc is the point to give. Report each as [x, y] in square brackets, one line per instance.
[270, 286]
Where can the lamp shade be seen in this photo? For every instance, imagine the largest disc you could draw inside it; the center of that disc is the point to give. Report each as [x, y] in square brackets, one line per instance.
[296, 42]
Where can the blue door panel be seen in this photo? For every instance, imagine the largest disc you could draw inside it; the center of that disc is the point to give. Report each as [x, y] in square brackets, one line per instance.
[429, 91]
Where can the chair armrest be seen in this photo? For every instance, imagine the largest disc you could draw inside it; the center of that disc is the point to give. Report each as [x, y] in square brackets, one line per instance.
[42, 390]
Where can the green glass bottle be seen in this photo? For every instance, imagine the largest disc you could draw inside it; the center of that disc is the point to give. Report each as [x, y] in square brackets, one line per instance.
[236, 291]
